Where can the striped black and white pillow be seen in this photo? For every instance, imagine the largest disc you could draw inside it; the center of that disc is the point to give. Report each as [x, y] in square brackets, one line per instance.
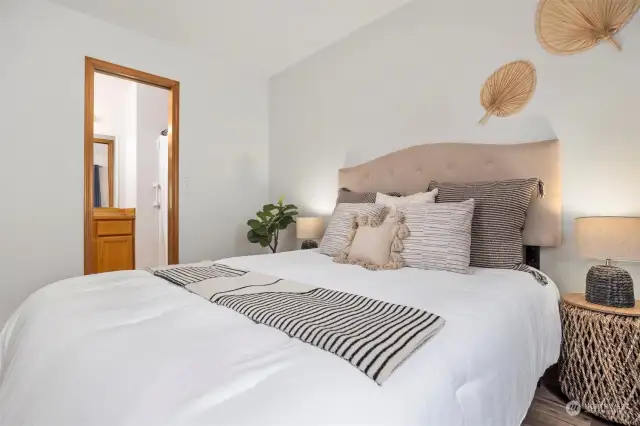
[346, 195]
[498, 219]
[337, 235]
[439, 236]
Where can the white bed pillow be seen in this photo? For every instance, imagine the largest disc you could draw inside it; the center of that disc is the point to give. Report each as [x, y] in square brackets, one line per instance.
[393, 203]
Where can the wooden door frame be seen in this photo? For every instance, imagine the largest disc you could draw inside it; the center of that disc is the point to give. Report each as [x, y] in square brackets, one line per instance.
[93, 66]
[110, 165]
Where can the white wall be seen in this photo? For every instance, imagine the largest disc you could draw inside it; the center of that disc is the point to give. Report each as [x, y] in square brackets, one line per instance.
[415, 77]
[101, 155]
[223, 142]
[114, 101]
[128, 150]
[152, 118]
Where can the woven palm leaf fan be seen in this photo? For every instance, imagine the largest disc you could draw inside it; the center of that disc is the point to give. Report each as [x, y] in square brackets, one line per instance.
[508, 90]
[565, 27]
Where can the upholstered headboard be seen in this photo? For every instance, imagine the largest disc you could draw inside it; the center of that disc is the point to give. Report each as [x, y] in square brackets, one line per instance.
[410, 170]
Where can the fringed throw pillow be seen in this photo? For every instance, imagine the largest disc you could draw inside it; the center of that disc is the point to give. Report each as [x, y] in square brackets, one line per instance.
[374, 245]
[336, 237]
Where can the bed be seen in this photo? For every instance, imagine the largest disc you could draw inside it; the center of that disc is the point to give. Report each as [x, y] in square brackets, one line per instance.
[129, 348]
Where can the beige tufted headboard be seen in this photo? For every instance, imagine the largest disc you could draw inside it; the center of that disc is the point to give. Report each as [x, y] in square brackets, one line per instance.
[410, 170]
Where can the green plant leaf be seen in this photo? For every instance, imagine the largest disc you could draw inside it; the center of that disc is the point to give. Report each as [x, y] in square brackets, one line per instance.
[262, 231]
[268, 216]
[272, 228]
[253, 237]
[286, 221]
[271, 219]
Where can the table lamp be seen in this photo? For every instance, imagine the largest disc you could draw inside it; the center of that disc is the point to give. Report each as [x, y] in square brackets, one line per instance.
[309, 229]
[609, 238]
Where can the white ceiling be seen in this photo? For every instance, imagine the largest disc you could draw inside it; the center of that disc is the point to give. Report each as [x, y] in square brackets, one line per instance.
[268, 34]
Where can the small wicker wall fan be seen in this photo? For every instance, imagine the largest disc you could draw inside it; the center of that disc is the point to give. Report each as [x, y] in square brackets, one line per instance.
[508, 90]
[565, 27]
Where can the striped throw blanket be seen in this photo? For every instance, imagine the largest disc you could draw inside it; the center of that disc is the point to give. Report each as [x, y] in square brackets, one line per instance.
[374, 336]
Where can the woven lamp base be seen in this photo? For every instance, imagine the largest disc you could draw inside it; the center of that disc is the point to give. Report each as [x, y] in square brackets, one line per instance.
[309, 244]
[610, 286]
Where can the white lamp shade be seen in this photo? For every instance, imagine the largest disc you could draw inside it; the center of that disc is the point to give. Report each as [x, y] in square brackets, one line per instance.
[309, 228]
[609, 237]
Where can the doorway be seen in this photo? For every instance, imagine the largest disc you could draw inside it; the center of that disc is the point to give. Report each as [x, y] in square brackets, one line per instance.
[106, 209]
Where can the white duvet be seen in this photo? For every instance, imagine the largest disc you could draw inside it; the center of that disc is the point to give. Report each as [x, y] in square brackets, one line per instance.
[127, 348]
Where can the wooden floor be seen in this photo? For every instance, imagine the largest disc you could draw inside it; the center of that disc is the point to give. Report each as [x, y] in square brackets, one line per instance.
[548, 409]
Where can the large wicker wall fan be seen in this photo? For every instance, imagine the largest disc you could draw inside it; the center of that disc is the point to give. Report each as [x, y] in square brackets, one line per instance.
[565, 27]
[508, 90]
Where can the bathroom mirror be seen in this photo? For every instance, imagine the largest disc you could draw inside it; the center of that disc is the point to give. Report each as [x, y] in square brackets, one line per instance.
[103, 172]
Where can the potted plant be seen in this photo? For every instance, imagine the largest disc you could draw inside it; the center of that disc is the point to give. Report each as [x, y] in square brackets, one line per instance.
[273, 218]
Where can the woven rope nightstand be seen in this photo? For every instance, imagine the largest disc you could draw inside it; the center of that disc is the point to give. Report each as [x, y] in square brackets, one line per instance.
[600, 358]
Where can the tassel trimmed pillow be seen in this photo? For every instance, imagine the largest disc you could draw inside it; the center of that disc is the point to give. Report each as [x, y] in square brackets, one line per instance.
[335, 238]
[374, 245]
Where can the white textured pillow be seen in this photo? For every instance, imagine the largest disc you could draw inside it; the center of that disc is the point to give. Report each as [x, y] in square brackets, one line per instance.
[439, 236]
[394, 202]
[336, 237]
